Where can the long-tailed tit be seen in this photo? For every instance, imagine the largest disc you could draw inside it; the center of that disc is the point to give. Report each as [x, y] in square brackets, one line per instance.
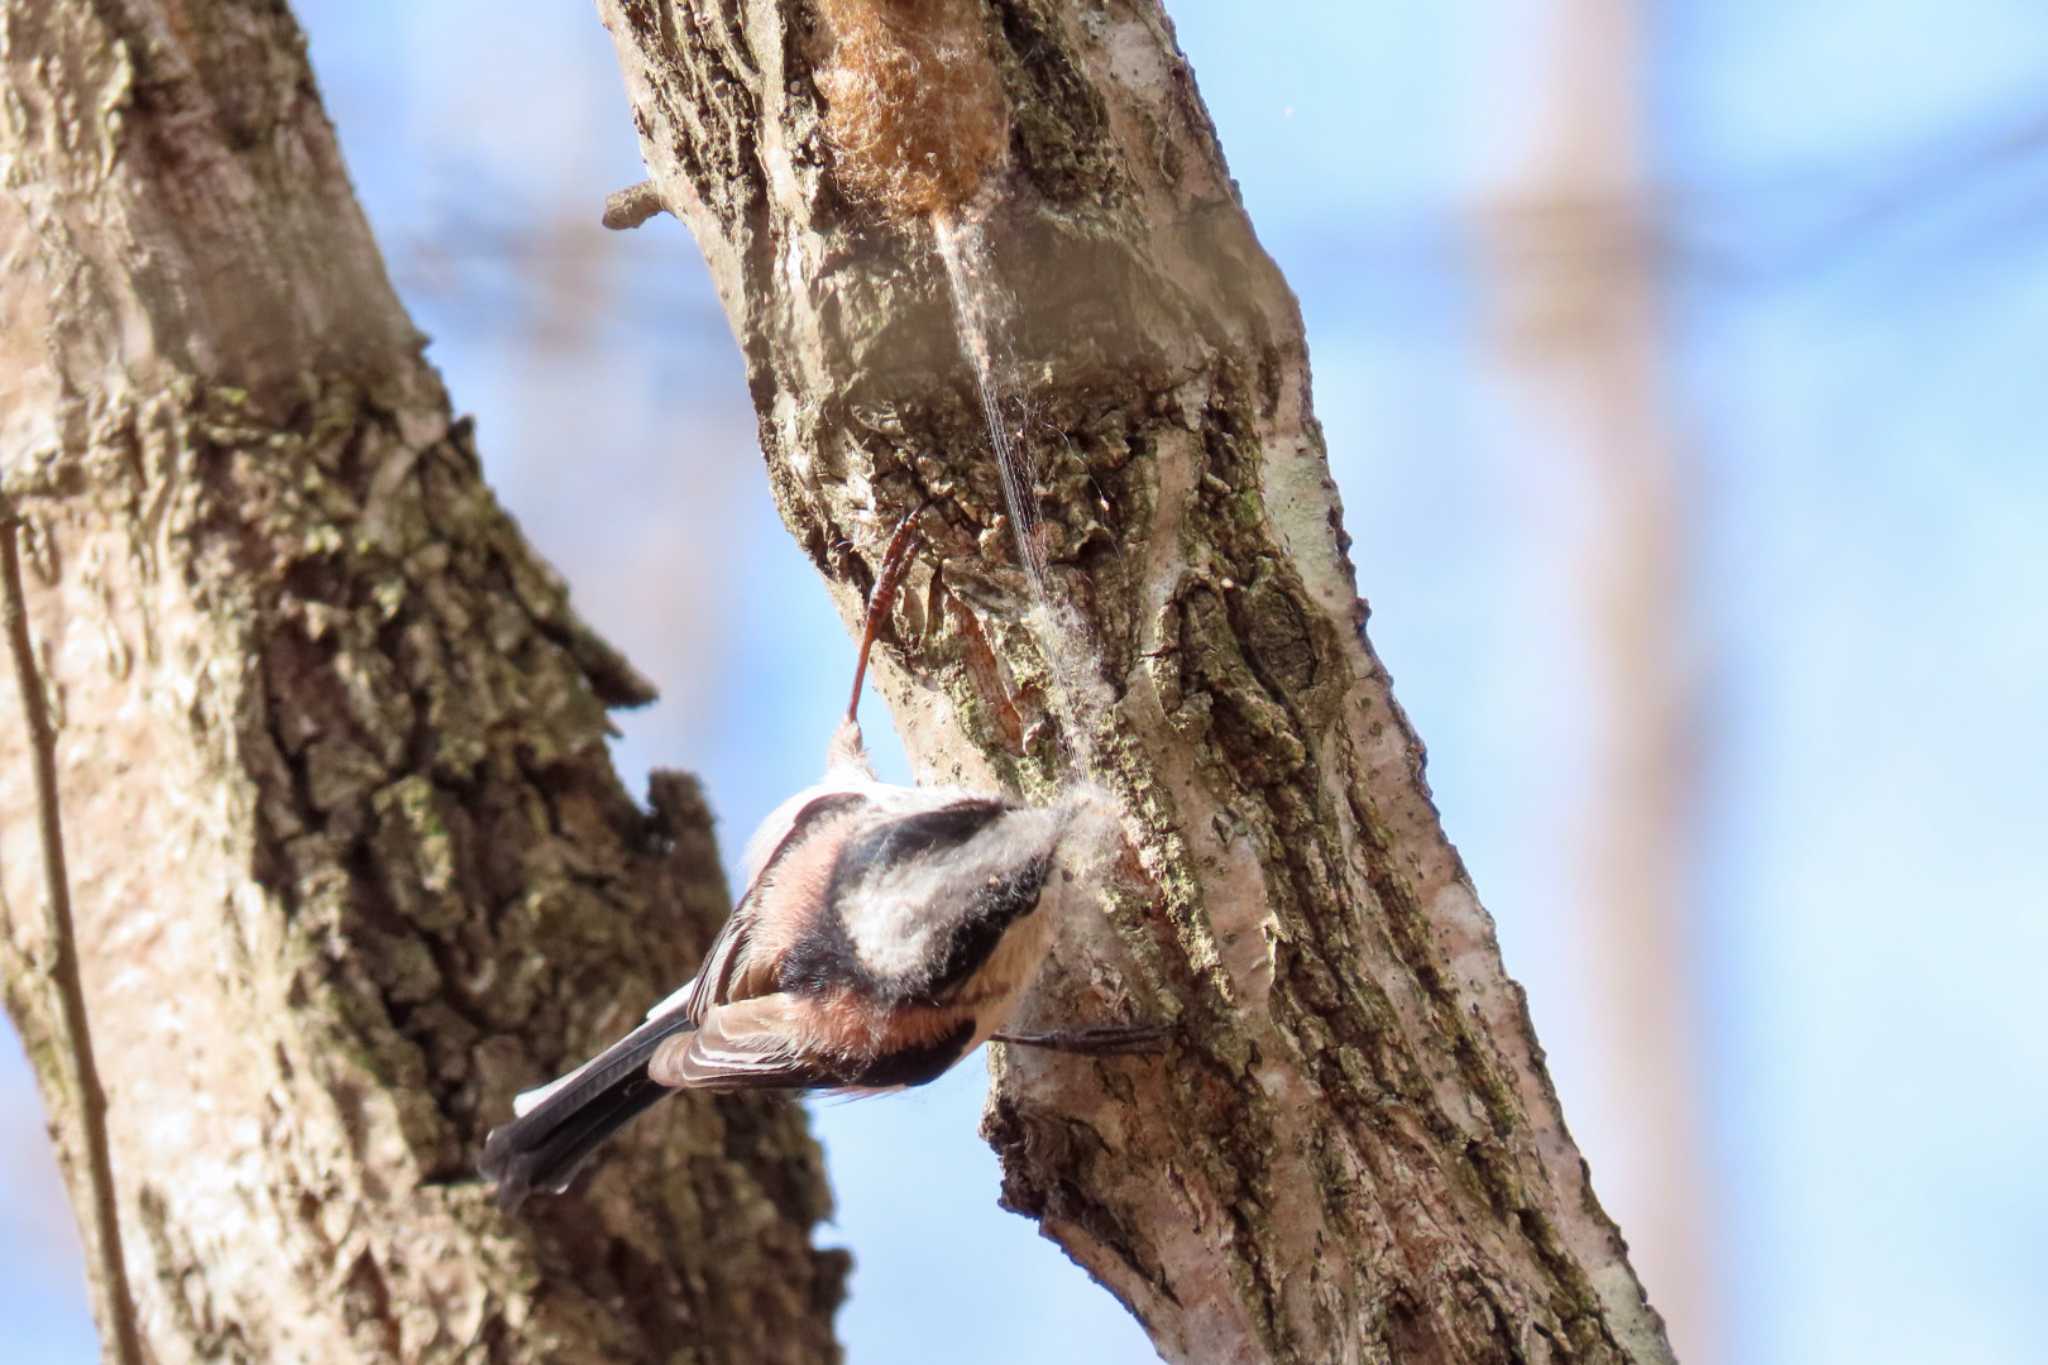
[885, 933]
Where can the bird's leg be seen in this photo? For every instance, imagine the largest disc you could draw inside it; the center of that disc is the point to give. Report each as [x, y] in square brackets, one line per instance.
[1115, 1040]
[881, 598]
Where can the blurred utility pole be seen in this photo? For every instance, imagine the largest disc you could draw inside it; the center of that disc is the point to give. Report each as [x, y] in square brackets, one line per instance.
[1574, 259]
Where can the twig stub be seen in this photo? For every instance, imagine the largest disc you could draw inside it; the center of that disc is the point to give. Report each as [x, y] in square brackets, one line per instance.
[630, 207]
[63, 956]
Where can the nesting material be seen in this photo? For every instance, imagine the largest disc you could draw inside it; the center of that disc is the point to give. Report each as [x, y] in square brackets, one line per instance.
[914, 106]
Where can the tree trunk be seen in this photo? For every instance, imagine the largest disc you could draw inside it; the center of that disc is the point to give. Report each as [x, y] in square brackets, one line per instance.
[349, 860]
[1351, 1150]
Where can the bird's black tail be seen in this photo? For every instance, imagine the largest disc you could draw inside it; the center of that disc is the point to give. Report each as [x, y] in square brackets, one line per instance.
[544, 1147]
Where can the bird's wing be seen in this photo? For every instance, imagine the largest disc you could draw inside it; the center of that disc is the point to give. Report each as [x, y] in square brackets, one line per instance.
[740, 961]
[748, 1045]
[847, 772]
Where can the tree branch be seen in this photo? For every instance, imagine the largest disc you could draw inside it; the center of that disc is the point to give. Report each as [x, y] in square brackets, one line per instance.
[117, 1305]
[1353, 1150]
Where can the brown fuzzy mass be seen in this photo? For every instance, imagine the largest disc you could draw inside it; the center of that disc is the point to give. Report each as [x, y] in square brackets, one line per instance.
[914, 106]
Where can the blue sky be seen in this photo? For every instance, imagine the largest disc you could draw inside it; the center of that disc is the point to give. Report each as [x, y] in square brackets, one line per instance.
[1860, 400]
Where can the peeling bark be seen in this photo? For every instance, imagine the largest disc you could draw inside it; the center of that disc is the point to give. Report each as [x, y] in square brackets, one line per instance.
[349, 859]
[1352, 1152]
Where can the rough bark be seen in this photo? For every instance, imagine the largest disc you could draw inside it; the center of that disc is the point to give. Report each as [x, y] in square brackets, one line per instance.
[1352, 1151]
[349, 861]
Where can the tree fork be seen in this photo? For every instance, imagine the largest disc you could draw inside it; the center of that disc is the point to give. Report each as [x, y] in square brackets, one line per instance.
[1353, 1151]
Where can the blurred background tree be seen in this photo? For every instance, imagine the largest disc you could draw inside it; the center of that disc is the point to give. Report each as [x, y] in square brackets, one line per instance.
[1571, 258]
[1705, 338]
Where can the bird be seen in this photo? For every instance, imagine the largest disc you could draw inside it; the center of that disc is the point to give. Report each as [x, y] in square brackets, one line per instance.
[885, 933]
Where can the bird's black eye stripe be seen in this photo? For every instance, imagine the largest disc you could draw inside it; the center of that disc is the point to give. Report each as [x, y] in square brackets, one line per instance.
[1000, 904]
[899, 842]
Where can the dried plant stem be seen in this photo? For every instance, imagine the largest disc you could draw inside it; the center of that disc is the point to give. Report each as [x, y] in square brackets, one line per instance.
[63, 961]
